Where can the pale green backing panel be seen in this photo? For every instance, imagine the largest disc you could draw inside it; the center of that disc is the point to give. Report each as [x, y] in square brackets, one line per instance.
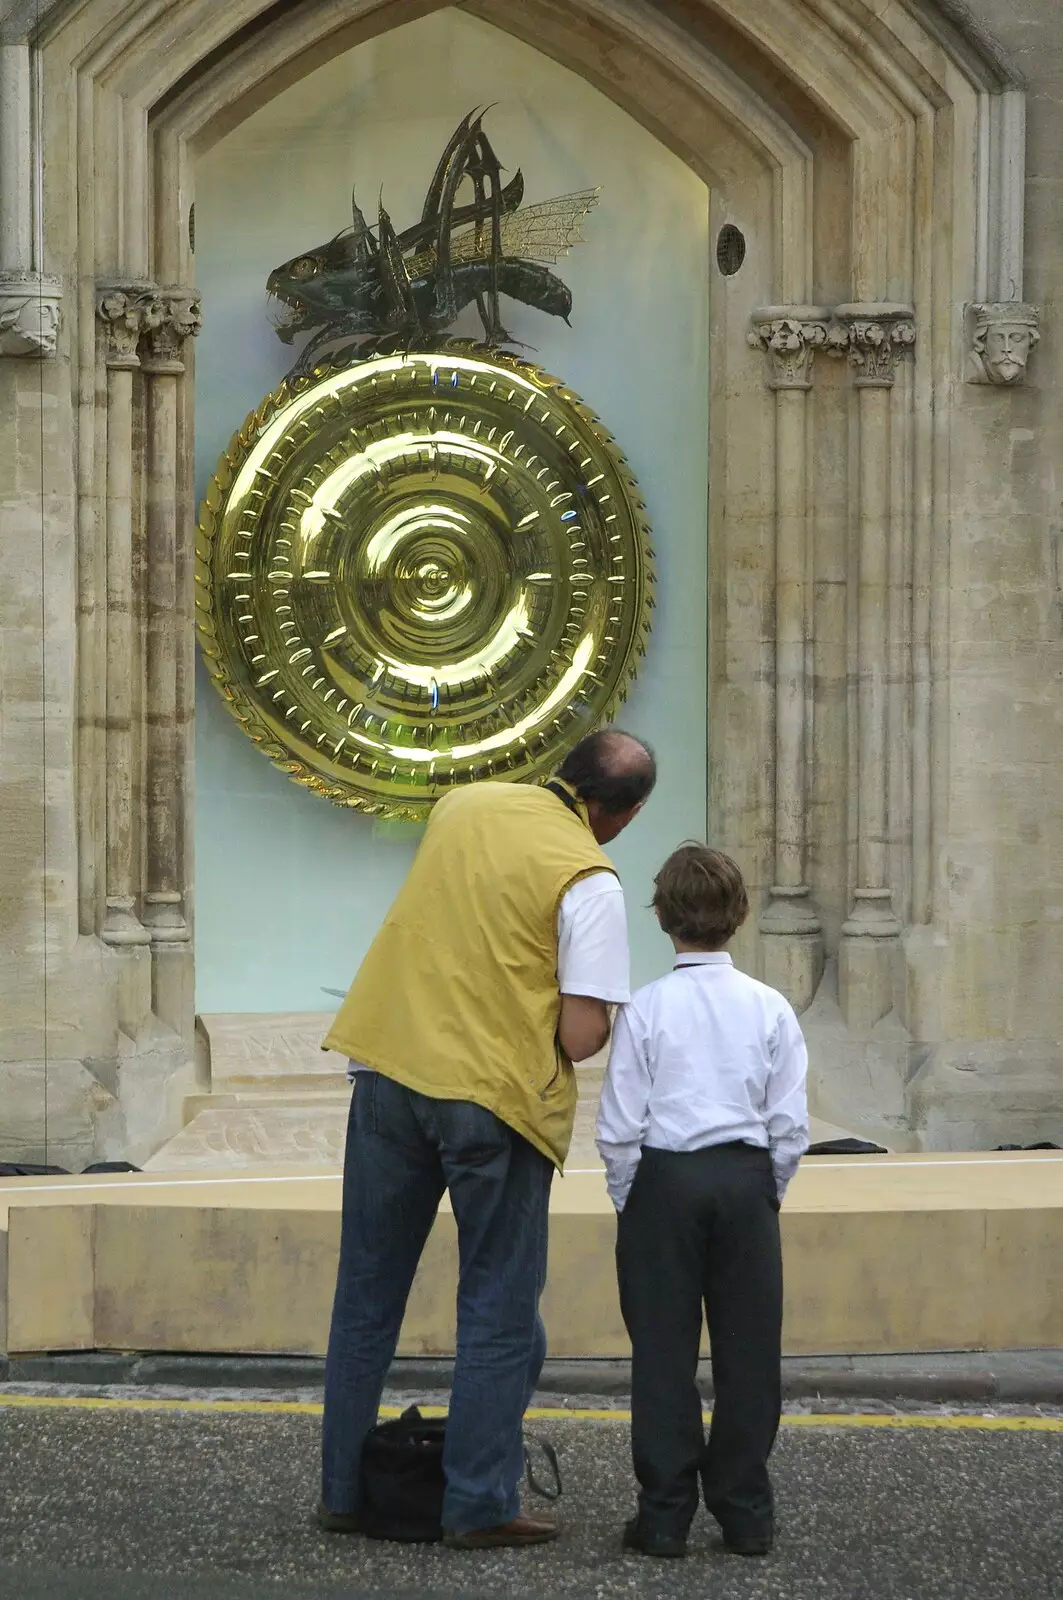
[289, 890]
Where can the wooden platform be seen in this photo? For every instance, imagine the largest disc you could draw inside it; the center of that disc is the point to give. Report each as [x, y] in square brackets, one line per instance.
[883, 1254]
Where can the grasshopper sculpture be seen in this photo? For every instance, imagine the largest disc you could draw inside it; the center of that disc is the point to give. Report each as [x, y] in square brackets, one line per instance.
[368, 284]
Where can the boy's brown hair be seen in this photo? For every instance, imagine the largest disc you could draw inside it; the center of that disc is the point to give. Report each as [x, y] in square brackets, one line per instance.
[699, 896]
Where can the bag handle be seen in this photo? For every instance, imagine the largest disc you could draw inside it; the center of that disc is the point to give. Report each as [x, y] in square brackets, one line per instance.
[550, 1455]
[412, 1418]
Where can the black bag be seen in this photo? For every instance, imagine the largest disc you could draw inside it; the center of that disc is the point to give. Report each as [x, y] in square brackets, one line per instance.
[23, 1169]
[845, 1147]
[402, 1479]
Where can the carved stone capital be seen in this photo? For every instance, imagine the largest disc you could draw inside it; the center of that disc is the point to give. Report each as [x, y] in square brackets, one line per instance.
[1001, 337]
[873, 337]
[29, 314]
[181, 320]
[127, 312]
[789, 337]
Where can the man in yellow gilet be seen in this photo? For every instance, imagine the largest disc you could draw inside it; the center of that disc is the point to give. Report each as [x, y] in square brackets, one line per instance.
[492, 973]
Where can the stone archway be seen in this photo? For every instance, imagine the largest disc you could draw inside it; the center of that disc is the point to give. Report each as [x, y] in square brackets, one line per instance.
[838, 140]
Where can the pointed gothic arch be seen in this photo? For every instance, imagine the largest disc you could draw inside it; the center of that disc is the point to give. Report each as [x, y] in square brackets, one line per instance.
[872, 158]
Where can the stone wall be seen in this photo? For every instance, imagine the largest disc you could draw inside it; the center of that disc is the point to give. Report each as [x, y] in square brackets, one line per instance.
[993, 981]
[883, 526]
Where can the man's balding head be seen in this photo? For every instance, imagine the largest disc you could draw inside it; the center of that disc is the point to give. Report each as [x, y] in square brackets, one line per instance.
[613, 773]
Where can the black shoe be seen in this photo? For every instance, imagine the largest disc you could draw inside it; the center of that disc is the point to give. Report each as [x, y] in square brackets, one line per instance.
[749, 1544]
[338, 1521]
[649, 1543]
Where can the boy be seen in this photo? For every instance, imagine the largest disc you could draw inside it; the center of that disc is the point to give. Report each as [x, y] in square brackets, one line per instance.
[702, 1123]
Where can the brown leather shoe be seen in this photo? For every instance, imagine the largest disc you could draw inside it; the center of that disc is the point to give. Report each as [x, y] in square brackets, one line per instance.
[338, 1521]
[521, 1531]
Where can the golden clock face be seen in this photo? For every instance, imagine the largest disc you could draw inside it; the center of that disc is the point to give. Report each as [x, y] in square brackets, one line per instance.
[420, 570]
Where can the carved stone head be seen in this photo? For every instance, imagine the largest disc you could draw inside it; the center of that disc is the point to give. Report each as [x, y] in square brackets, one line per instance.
[1003, 337]
[789, 336]
[29, 315]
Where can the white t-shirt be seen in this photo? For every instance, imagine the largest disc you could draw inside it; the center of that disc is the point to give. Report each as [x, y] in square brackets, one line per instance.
[592, 945]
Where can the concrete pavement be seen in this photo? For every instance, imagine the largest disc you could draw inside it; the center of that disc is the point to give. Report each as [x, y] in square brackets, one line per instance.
[144, 1504]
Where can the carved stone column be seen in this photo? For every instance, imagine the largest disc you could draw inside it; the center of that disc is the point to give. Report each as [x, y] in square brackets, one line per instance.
[792, 951]
[164, 911]
[873, 337]
[29, 301]
[125, 312]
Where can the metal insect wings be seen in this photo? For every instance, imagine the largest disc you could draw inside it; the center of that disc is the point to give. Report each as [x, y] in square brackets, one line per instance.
[368, 283]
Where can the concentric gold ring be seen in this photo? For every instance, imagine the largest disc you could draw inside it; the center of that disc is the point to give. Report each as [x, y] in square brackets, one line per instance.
[422, 569]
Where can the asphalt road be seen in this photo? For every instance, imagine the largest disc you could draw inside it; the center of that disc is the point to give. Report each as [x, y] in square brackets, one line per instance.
[99, 1504]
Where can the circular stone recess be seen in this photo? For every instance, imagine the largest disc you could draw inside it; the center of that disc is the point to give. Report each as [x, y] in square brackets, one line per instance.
[419, 570]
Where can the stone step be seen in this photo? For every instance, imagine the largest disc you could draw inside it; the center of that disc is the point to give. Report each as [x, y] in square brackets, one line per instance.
[284, 1121]
[277, 1098]
[255, 1047]
[254, 1097]
[266, 1133]
[238, 1049]
[235, 1133]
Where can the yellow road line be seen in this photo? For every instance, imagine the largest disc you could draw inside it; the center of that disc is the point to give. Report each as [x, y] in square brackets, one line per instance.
[308, 1408]
[30, 1402]
[875, 1419]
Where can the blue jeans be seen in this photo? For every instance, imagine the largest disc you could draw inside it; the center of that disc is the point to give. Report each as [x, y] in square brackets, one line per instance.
[403, 1150]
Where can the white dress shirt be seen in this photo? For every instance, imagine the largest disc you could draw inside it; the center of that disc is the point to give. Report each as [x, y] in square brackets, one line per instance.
[703, 1056]
[592, 944]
